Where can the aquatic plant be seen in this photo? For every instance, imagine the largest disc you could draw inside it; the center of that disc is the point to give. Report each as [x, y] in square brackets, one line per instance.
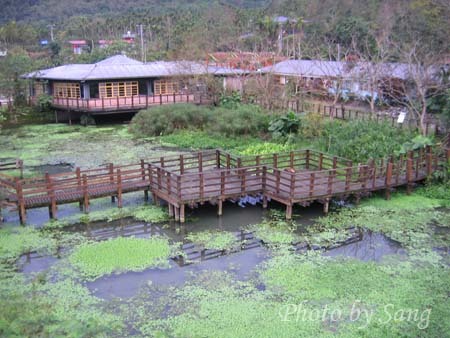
[146, 213]
[17, 241]
[350, 284]
[275, 232]
[94, 260]
[215, 240]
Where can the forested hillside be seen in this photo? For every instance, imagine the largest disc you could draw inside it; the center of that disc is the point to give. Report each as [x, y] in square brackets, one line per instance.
[57, 10]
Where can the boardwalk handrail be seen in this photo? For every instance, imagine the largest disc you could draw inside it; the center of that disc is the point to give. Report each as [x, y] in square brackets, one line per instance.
[289, 177]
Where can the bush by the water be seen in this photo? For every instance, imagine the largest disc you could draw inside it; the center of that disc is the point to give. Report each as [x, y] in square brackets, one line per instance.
[246, 120]
[166, 119]
[362, 140]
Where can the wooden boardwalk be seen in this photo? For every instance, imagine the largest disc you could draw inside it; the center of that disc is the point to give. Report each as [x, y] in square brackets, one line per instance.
[295, 177]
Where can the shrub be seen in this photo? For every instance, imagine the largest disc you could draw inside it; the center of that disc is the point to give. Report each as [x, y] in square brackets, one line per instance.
[312, 125]
[284, 125]
[362, 140]
[248, 120]
[166, 119]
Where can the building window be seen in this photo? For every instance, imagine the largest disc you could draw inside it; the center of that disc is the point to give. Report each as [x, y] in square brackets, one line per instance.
[66, 90]
[163, 87]
[118, 89]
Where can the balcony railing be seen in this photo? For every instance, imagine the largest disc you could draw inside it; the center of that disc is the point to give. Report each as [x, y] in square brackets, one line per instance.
[122, 103]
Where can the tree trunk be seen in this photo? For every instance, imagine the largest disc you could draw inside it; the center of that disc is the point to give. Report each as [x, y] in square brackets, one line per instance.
[423, 116]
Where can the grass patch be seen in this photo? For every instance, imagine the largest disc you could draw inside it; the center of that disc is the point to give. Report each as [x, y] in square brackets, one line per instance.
[400, 201]
[119, 255]
[214, 240]
[191, 139]
[145, 213]
[343, 284]
[17, 241]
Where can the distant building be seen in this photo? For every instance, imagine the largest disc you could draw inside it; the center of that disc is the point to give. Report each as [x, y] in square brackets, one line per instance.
[78, 46]
[104, 43]
[122, 84]
[358, 79]
[244, 60]
[129, 37]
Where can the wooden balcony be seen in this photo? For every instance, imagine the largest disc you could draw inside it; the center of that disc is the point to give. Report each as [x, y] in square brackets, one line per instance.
[122, 104]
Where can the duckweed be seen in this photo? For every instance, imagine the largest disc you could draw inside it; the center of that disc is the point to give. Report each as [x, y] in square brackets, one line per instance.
[94, 260]
[215, 240]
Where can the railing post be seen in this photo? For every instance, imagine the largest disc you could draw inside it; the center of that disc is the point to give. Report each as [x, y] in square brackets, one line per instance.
[217, 158]
[119, 189]
[228, 161]
[21, 202]
[20, 164]
[331, 175]
[243, 180]
[181, 164]
[292, 187]
[51, 194]
[179, 188]
[222, 184]
[307, 160]
[202, 185]
[311, 184]
[291, 159]
[409, 173]
[275, 160]
[348, 177]
[143, 169]
[388, 180]
[429, 161]
[200, 161]
[320, 161]
[85, 194]
[168, 183]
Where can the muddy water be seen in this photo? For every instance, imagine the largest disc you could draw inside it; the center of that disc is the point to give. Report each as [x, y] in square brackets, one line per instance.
[242, 264]
[371, 247]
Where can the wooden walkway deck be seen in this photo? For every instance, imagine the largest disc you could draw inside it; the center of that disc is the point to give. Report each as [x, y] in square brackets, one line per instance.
[300, 177]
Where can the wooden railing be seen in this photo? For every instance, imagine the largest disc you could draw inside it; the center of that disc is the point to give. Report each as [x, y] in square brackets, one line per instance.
[12, 165]
[289, 178]
[340, 111]
[122, 103]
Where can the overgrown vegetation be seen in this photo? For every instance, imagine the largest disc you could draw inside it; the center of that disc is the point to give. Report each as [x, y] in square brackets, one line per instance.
[239, 120]
[215, 240]
[122, 254]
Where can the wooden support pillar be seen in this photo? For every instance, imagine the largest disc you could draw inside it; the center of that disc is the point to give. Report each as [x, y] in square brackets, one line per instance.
[156, 200]
[326, 206]
[182, 216]
[219, 207]
[171, 210]
[289, 211]
[177, 213]
[264, 203]
[146, 195]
